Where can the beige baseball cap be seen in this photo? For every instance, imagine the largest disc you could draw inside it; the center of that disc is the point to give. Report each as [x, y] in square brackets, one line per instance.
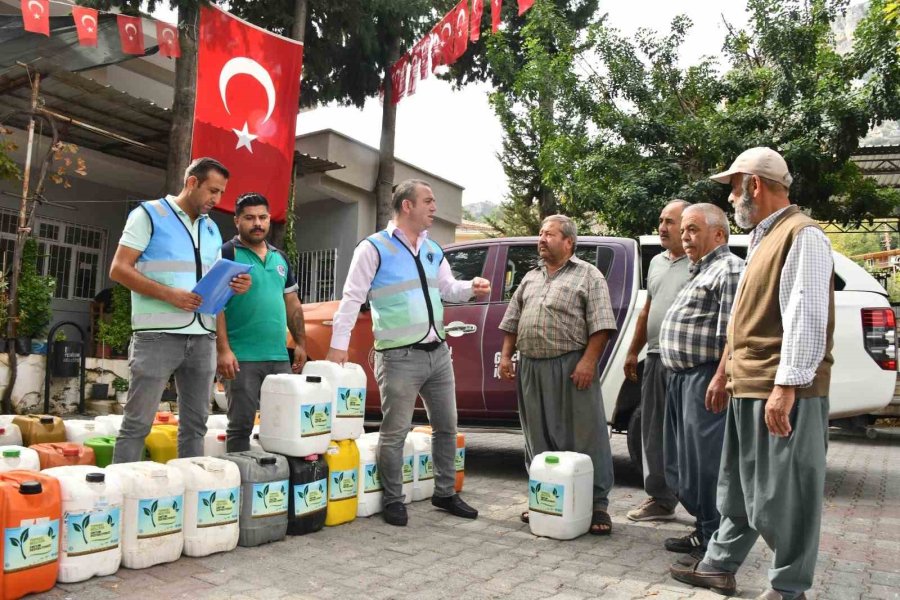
[762, 162]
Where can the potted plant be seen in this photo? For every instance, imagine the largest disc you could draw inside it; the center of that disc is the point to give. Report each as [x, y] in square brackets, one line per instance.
[115, 332]
[35, 295]
[120, 384]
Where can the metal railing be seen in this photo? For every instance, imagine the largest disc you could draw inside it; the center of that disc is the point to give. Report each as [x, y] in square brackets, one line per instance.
[316, 275]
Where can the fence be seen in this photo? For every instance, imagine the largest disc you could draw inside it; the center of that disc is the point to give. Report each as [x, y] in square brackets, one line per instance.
[316, 273]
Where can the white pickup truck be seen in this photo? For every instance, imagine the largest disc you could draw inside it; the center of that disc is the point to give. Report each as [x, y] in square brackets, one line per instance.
[865, 357]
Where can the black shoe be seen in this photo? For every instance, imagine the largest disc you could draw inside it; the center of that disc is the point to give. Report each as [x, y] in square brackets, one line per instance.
[455, 506]
[687, 544]
[395, 514]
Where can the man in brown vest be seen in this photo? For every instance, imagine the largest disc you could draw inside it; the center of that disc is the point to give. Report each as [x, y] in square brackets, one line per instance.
[778, 363]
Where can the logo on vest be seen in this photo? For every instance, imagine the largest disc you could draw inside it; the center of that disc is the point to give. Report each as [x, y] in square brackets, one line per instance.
[281, 270]
[430, 257]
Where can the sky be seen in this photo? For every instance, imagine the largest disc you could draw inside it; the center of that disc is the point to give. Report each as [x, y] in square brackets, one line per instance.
[454, 133]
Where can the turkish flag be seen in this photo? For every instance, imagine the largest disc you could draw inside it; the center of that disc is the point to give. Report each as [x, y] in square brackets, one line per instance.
[167, 38]
[475, 20]
[248, 95]
[423, 51]
[399, 74]
[524, 5]
[131, 34]
[412, 72]
[85, 24]
[460, 29]
[36, 15]
[496, 6]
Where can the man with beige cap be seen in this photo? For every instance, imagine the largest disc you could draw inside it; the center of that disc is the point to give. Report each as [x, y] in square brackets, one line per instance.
[778, 367]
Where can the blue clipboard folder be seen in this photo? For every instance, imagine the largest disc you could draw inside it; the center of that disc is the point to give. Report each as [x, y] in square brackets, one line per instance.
[213, 287]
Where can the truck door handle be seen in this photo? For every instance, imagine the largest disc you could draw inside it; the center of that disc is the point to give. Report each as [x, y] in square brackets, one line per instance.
[458, 328]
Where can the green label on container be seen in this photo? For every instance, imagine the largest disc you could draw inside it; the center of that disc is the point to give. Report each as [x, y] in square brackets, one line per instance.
[310, 497]
[372, 481]
[426, 467]
[30, 546]
[269, 499]
[459, 461]
[342, 485]
[159, 516]
[351, 403]
[93, 531]
[315, 419]
[408, 469]
[546, 498]
[218, 507]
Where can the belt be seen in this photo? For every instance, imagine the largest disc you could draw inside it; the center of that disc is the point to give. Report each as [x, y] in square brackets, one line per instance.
[429, 347]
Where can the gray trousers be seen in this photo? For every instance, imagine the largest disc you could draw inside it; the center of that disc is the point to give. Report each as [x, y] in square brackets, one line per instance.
[243, 399]
[558, 417]
[774, 487]
[403, 374]
[693, 445]
[653, 415]
[153, 358]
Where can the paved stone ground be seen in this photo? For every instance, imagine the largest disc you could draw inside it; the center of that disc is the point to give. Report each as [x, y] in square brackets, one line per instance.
[440, 556]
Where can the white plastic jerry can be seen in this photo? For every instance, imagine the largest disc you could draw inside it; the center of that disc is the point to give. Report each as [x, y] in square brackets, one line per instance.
[13, 458]
[349, 400]
[212, 502]
[295, 414]
[371, 492]
[423, 466]
[560, 494]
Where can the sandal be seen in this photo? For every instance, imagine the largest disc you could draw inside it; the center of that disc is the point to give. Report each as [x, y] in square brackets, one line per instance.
[600, 519]
[524, 516]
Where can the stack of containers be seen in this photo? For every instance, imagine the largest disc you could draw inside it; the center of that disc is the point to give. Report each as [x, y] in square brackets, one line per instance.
[349, 396]
[161, 444]
[62, 454]
[153, 519]
[460, 459]
[371, 491]
[37, 429]
[103, 447]
[30, 519]
[265, 495]
[91, 525]
[13, 458]
[10, 435]
[423, 466]
[295, 421]
[212, 500]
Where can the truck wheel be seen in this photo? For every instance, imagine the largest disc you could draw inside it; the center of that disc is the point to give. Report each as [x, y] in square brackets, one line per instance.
[635, 451]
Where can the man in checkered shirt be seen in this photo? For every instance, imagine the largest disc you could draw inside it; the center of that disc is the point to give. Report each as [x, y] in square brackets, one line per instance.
[560, 318]
[691, 341]
[778, 367]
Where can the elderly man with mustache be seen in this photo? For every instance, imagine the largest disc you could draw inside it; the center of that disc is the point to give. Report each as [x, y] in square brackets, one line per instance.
[251, 343]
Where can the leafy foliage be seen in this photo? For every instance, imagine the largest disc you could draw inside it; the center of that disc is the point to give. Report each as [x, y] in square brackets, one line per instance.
[35, 294]
[116, 331]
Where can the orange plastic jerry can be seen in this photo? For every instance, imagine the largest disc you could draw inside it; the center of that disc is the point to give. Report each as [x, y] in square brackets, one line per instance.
[63, 454]
[30, 513]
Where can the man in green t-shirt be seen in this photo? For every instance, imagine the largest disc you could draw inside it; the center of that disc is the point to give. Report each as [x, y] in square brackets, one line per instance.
[251, 340]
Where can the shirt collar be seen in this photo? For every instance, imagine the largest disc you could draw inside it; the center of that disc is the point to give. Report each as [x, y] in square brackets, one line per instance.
[178, 211]
[760, 230]
[667, 254]
[707, 260]
[392, 229]
[236, 240]
[574, 260]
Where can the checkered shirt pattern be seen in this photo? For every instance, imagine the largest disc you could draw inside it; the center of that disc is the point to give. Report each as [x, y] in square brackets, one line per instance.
[803, 296]
[695, 327]
[554, 315]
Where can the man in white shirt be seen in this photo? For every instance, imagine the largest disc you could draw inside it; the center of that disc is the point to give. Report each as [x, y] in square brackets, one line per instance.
[405, 277]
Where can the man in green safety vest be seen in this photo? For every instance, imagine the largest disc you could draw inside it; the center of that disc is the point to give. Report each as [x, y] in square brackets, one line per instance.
[166, 247]
[404, 276]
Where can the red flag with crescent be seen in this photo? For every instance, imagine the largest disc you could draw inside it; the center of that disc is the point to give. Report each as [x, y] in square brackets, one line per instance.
[85, 24]
[460, 29]
[167, 38]
[475, 20]
[496, 6]
[131, 34]
[524, 5]
[36, 15]
[248, 94]
[399, 78]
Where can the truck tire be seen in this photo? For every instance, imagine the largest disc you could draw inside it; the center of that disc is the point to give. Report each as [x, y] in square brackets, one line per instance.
[635, 450]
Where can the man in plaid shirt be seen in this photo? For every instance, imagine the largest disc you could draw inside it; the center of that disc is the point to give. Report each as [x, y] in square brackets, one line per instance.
[691, 341]
[560, 318]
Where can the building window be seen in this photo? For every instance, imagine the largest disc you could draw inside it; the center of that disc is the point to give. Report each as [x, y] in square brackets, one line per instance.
[316, 275]
[70, 253]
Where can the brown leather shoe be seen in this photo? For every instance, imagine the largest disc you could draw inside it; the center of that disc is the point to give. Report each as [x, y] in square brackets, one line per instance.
[720, 582]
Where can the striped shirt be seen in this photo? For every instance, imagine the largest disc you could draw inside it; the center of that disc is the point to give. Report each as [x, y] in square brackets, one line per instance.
[556, 314]
[803, 296]
[695, 327]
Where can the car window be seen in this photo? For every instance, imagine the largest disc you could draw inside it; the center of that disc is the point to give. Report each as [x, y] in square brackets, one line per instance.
[467, 263]
[521, 259]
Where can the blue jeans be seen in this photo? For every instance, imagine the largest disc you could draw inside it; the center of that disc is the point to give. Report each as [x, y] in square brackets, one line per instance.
[153, 358]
